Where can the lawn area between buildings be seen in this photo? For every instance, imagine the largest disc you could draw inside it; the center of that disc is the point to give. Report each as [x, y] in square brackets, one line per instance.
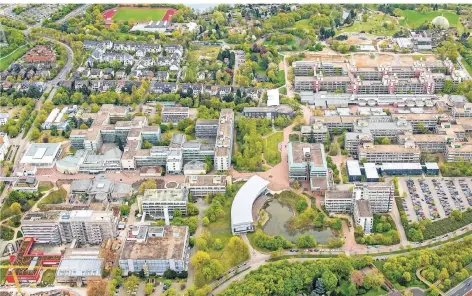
[55, 197]
[373, 25]
[6, 61]
[413, 19]
[139, 14]
[271, 150]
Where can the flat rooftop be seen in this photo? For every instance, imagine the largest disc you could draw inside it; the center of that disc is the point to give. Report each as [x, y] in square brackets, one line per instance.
[390, 148]
[170, 246]
[206, 180]
[168, 194]
[41, 216]
[338, 194]
[316, 155]
[363, 208]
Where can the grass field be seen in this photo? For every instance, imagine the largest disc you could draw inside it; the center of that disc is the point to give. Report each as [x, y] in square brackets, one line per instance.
[303, 24]
[18, 53]
[414, 19]
[139, 14]
[374, 25]
[271, 145]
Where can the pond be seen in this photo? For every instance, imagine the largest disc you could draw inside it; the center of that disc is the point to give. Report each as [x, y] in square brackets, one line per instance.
[279, 215]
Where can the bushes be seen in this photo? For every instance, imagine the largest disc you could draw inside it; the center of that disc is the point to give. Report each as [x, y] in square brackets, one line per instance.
[384, 232]
[446, 225]
[55, 197]
[6, 233]
[271, 243]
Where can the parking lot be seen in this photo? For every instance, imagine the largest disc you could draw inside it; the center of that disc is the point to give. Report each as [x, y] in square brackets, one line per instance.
[435, 198]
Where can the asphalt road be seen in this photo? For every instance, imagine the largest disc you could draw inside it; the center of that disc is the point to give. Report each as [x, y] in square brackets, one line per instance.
[462, 288]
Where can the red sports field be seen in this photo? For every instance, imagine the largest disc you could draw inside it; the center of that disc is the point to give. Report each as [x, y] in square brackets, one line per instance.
[137, 14]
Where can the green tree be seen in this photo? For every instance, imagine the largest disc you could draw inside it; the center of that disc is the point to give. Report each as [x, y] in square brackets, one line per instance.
[301, 205]
[238, 249]
[15, 208]
[305, 241]
[147, 145]
[124, 209]
[148, 288]
[131, 283]
[330, 280]
[373, 280]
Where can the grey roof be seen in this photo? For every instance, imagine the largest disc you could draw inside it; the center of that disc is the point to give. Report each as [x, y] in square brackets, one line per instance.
[80, 185]
[431, 166]
[194, 165]
[363, 208]
[353, 168]
[371, 171]
[401, 166]
[241, 208]
[80, 267]
[49, 149]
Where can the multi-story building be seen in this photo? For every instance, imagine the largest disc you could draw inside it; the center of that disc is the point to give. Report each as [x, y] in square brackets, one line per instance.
[224, 141]
[383, 129]
[307, 162]
[206, 128]
[202, 185]
[431, 143]
[330, 83]
[363, 215]
[174, 114]
[304, 68]
[155, 202]
[456, 152]
[56, 227]
[4, 118]
[378, 154]
[270, 112]
[419, 122]
[380, 195]
[337, 123]
[466, 111]
[352, 140]
[4, 145]
[315, 133]
[337, 201]
[155, 249]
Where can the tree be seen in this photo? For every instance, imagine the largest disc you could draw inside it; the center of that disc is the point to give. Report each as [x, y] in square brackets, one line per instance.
[206, 269]
[365, 17]
[456, 215]
[147, 145]
[373, 280]
[357, 277]
[149, 184]
[148, 288]
[124, 209]
[305, 241]
[443, 275]
[406, 276]
[238, 249]
[205, 221]
[319, 287]
[131, 283]
[302, 205]
[83, 126]
[334, 149]
[170, 274]
[54, 130]
[296, 184]
[330, 280]
[97, 288]
[15, 208]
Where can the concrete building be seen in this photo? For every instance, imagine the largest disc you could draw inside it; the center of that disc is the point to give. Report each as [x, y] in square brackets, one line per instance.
[241, 209]
[431, 143]
[59, 227]
[4, 118]
[224, 141]
[383, 129]
[4, 145]
[371, 173]
[337, 201]
[456, 152]
[174, 114]
[155, 249]
[308, 162]
[315, 133]
[273, 97]
[379, 154]
[80, 265]
[428, 121]
[41, 155]
[154, 202]
[206, 128]
[270, 112]
[352, 141]
[363, 215]
[194, 167]
[353, 171]
[202, 185]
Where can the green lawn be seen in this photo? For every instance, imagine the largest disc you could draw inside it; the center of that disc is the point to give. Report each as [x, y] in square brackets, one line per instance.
[271, 151]
[414, 19]
[467, 66]
[374, 25]
[303, 24]
[139, 14]
[18, 53]
[48, 277]
[55, 197]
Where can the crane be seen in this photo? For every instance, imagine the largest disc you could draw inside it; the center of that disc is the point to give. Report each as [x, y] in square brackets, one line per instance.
[15, 277]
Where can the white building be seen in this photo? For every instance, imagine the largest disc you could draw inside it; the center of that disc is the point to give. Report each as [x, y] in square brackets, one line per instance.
[174, 162]
[4, 145]
[273, 97]
[241, 208]
[154, 202]
[224, 140]
[201, 185]
[4, 118]
[41, 155]
[363, 215]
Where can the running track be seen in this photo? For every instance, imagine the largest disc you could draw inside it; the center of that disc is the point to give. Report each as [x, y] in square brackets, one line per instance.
[108, 14]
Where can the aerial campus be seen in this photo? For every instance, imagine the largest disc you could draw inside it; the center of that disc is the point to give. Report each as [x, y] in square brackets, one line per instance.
[236, 149]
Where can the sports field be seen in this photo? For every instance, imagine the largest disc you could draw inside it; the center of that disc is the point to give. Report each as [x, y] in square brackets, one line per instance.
[138, 14]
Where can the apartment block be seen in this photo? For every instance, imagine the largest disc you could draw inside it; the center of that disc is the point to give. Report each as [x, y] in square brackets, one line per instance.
[206, 128]
[389, 129]
[60, 227]
[456, 152]
[174, 114]
[352, 140]
[270, 112]
[202, 185]
[363, 215]
[154, 202]
[379, 154]
[429, 121]
[315, 133]
[431, 143]
[224, 141]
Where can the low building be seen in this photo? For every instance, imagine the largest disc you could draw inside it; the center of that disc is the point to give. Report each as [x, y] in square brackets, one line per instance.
[270, 112]
[371, 173]
[26, 184]
[83, 269]
[4, 118]
[314, 133]
[27, 256]
[306, 161]
[242, 220]
[401, 169]
[353, 171]
[202, 185]
[194, 167]
[353, 140]
[273, 97]
[155, 249]
[41, 155]
[156, 202]
[174, 114]
[206, 128]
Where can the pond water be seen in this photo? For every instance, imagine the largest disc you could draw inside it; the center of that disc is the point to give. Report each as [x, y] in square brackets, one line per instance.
[279, 214]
